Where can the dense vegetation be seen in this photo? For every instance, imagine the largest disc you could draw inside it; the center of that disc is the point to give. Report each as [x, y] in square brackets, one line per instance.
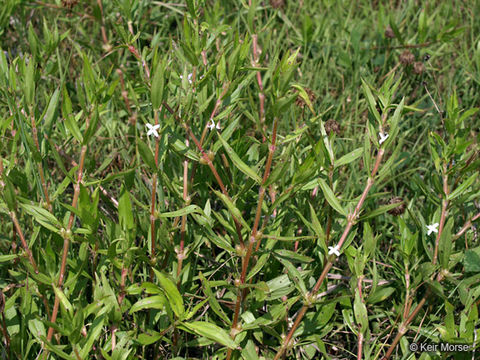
[239, 179]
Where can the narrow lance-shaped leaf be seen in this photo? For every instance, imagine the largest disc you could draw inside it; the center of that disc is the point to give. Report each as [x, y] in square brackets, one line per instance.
[158, 84]
[445, 244]
[462, 187]
[29, 87]
[70, 121]
[172, 293]
[372, 104]
[52, 106]
[146, 155]
[331, 198]
[151, 302]
[238, 162]
[348, 158]
[211, 332]
[94, 333]
[360, 311]
[185, 211]
[232, 208]
[63, 300]
[125, 214]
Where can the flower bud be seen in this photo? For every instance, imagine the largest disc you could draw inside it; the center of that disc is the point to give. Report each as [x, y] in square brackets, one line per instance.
[240, 250]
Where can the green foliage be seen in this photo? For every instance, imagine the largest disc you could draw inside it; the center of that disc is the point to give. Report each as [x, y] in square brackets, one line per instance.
[139, 242]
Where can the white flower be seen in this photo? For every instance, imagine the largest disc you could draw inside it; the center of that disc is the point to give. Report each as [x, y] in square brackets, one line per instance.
[383, 137]
[152, 130]
[334, 250]
[211, 125]
[432, 228]
[189, 77]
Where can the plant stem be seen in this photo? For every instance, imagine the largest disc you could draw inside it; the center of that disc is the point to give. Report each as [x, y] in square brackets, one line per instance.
[360, 330]
[24, 242]
[403, 327]
[102, 26]
[66, 241]
[238, 227]
[467, 226]
[181, 254]
[351, 219]
[153, 200]
[253, 236]
[261, 95]
[443, 215]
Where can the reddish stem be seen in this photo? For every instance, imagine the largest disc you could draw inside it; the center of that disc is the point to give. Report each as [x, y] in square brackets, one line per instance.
[205, 157]
[253, 235]
[351, 219]
[67, 235]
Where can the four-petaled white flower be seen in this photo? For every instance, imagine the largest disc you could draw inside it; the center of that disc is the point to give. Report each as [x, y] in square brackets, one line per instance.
[152, 130]
[334, 250]
[383, 137]
[432, 228]
[211, 125]
[189, 78]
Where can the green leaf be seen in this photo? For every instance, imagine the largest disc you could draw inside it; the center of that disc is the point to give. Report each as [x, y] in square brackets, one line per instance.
[303, 94]
[372, 104]
[184, 211]
[63, 300]
[158, 84]
[212, 300]
[6, 258]
[146, 155]
[379, 210]
[397, 33]
[56, 349]
[436, 287]
[70, 121]
[52, 107]
[232, 208]
[125, 214]
[348, 158]
[172, 293]
[195, 309]
[30, 82]
[360, 312]
[43, 217]
[9, 195]
[94, 333]
[462, 187]
[471, 261]
[191, 8]
[467, 114]
[293, 274]
[37, 328]
[445, 244]
[248, 351]
[292, 256]
[238, 162]
[331, 198]
[211, 332]
[147, 339]
[92, 127]
[380, 294]
[152, 302]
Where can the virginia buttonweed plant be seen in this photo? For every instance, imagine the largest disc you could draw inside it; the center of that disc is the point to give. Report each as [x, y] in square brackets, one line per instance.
[238, 180]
